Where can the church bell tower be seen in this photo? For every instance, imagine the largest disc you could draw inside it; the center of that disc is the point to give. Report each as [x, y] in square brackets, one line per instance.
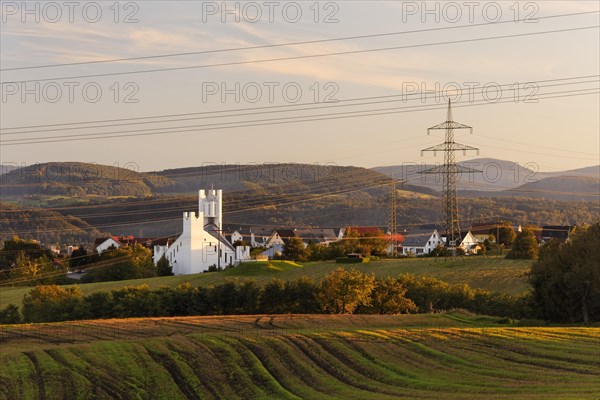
[210, 203]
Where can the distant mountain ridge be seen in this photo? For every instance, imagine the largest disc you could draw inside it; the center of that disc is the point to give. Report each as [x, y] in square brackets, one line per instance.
[504, 178]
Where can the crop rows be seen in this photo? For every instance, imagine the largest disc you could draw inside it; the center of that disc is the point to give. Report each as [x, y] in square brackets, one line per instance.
[449, 363]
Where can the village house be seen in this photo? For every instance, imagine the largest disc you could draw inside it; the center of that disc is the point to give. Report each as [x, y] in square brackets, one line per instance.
[421, 242]
[264, 237]
[105, 243]
[317, 235]
[469, 243]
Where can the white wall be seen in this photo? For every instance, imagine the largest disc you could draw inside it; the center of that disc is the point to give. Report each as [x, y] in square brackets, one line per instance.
[106, 245]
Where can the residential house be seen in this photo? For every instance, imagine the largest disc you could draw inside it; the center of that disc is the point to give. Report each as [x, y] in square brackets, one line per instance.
[481, 230]
[421, 242]
[103, 244]
[317, 235]
[469, 243]
[264, 237]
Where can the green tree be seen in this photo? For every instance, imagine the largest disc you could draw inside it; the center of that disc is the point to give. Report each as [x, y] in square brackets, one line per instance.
[506, 234]
[301, 296]
[272, 298]
[295, 250]
[566, 278]
[134, 301]
[317, 252]
[10, 315]
[163, 267]
[50, 303]
[342, 291]
[128, 262]
[525, 247]
[388, 297]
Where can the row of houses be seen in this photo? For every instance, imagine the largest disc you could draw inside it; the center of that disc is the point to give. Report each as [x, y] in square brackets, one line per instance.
[418, 241]
[205, 241]
[482, 230]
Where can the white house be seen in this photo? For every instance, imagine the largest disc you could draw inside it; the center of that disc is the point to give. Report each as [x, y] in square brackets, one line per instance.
[202, 243]
[421, 242]
[469, 243]
[260, 237]
[104, 244]
[236, 236]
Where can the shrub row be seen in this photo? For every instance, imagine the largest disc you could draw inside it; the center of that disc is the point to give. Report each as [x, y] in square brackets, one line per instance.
[339, 292]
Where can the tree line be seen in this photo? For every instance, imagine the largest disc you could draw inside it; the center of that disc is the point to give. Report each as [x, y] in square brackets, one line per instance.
[340, 292]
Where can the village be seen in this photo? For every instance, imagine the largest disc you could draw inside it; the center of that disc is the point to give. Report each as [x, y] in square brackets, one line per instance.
[207, 243]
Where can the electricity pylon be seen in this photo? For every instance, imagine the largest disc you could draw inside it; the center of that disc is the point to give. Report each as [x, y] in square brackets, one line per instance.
[392, 220]
[392, 216]
[450, 171]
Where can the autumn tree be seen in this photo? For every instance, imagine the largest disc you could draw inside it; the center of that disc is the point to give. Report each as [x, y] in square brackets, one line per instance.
[342, 291]
[23, 259]
[49, 303]
[388, 297]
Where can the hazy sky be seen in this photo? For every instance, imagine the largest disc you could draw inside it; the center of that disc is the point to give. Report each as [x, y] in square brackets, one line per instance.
[558, 132]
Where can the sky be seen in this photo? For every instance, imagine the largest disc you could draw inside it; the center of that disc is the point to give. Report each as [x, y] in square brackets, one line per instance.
[524, 75]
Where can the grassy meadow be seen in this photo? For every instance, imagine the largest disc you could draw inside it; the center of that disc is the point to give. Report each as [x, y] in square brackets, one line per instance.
[496, 274]
[452, 356]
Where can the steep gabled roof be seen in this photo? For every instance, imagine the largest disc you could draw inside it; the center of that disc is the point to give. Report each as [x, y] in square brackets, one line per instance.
[286, 233]
[417, 238]
[317, 235]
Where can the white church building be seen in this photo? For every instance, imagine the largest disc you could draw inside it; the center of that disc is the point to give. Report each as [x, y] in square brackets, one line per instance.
[202, 243]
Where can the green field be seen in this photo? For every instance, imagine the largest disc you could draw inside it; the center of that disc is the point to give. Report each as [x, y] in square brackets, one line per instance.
[492, 273]
[449, 356]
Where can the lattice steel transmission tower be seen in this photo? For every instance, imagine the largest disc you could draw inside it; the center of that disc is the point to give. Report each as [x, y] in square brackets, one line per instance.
[450, 171]
[393, 216]
[392, 220]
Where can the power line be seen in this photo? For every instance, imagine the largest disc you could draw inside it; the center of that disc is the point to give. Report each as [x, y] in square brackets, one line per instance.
[275, 121]
[292, 43]
[349, 52]
[267, 109]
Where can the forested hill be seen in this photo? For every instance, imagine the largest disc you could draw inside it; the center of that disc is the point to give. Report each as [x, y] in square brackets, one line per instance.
[74, 179]
[44, 225]
[282, 195]
[79, 179]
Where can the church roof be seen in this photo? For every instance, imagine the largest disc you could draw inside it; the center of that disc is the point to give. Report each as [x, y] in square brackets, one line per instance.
[213, 230]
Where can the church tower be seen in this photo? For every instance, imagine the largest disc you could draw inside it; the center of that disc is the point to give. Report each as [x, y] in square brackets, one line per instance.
[211, 205]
